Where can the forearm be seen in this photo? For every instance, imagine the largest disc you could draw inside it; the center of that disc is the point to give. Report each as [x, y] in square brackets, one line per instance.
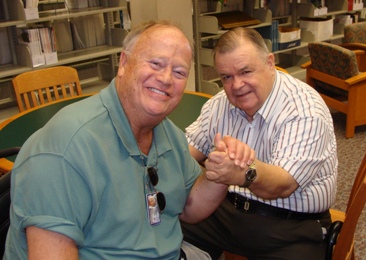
[204, 198]
[272, 182]
[44, 244]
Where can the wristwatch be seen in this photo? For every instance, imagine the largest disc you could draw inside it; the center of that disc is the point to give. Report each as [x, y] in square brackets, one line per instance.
[250, 176]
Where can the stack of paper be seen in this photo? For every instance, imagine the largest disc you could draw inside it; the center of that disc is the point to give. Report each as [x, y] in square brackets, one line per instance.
[31, 38]
[48, 43]
[42, 45]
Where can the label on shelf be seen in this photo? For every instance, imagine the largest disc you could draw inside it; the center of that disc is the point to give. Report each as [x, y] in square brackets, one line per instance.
[37, 60]
[31, 13]
[50, 58]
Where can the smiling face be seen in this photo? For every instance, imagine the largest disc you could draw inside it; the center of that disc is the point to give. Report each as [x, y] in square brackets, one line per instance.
[247, 76]
[152, 76]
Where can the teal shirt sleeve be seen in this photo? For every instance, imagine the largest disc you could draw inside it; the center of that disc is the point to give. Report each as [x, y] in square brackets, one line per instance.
[61, 204]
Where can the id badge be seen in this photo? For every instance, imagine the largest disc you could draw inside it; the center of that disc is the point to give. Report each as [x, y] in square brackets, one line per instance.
[153, 211]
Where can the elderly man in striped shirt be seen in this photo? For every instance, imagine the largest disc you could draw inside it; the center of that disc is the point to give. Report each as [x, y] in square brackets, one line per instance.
[275, 149]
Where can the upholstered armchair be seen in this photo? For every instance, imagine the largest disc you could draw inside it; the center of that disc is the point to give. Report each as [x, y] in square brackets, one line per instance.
[333, 72]
[355, 39]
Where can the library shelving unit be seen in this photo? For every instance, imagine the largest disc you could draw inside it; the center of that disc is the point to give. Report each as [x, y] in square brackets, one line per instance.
[105, 57]
[293, 58]
[207, 30]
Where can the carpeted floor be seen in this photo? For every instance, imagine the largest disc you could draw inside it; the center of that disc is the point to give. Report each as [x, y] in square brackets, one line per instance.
[350, 154]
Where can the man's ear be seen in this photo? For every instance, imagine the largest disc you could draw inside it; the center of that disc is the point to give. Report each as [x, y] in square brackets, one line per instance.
[271, 60]
[122, 63]
[123, 59]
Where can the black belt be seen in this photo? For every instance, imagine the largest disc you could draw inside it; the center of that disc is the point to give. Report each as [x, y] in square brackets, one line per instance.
[245, 205]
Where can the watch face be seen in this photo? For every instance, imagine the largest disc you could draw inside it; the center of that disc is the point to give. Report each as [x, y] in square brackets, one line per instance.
[251, 174]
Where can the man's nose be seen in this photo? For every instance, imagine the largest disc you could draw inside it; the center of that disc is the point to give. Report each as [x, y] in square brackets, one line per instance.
[165, 76]
[238, 82]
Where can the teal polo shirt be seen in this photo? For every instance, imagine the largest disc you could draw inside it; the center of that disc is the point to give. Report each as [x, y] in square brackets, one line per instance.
[82, 175]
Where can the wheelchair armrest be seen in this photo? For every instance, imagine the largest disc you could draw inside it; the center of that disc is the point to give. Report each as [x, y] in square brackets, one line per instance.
[331, 238]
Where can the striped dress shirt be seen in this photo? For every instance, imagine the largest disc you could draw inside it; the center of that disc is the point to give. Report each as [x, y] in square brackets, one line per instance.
[293, 129]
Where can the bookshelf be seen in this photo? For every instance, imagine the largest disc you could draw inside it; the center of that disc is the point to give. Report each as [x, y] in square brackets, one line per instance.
[102, 57]
[207, 30]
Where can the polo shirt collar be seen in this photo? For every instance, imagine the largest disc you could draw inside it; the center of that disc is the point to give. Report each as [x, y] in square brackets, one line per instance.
[267, 110]
[111, 102]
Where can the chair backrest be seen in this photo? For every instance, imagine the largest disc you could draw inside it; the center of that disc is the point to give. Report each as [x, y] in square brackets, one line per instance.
[188, 109]
[356, 203]
[333, 60]
[282, 69]
[355, 33]
[5, 200]
[42, 86]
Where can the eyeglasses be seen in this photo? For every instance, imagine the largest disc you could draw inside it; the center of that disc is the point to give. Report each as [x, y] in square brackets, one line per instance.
[154, 179]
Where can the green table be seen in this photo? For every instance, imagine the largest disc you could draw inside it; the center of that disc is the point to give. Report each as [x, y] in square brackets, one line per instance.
[16, 130]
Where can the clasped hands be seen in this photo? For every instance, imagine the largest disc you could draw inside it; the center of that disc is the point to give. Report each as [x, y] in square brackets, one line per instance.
[228, 160]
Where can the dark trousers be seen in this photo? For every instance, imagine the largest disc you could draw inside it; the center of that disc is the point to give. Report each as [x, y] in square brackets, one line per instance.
[257, 236]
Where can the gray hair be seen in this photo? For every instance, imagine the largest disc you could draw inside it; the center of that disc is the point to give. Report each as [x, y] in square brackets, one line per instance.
[233, 39]
[130, 40]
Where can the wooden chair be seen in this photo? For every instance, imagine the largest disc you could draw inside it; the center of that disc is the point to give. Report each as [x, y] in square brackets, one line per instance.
[42, 86]
[355, 39]
[341, 234]
[334, 73]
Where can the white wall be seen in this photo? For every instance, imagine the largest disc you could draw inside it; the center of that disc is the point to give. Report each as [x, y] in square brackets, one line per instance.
[179, 11]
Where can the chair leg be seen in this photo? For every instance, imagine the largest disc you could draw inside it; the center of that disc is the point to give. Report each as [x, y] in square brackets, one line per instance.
[350, 126]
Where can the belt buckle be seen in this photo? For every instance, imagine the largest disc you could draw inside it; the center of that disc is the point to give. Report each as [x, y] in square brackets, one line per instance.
[246, 205]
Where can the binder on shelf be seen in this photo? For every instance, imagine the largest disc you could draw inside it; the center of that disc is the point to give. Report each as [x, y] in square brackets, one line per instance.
[350, 5]
[76, 39]
[5, 57]
[279, 7]
[98, 22]
[63, 35]
[355, 5]
[76, 4]
[89, 30]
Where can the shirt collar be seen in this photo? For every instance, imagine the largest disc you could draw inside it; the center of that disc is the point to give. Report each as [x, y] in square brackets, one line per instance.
[267, 110]
[120, 122]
